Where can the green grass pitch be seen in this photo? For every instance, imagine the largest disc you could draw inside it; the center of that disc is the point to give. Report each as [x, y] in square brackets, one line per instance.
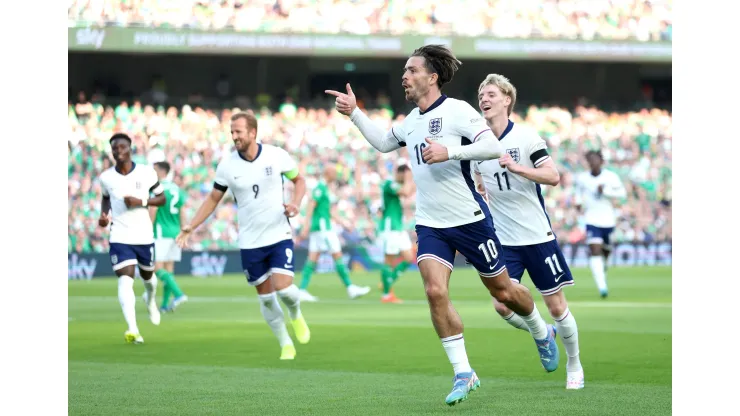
[216, 356]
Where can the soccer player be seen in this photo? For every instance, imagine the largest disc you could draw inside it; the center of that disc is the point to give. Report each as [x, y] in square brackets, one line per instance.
[167, 223]
[395, 239]
[512, 185]
[323, 239]
[597, 191]
[126, 189]
[254, 172]
[443, 134]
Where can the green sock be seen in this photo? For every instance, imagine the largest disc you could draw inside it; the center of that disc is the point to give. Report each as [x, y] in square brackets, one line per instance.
[165, 278]
[308, 269]
[343, 273]
[169, 280]
[400, 267]
[166, 296]
[386, 277]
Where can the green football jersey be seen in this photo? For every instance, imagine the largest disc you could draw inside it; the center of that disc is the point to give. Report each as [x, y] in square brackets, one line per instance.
[321, 218]
[167, 221]
[392, 219]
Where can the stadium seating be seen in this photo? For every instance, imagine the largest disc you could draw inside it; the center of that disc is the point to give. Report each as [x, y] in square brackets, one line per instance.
[636, 144]
[640, 20]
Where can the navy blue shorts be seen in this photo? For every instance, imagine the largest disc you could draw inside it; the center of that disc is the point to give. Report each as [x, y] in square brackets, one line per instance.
[598, 235]
[260, 263]
[544, 263]
[476, 241]
[122, 255]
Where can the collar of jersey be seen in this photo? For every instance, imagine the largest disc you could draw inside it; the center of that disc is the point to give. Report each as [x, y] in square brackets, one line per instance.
[259, 151]
[434, 105]
[508, 128]
[133, 166]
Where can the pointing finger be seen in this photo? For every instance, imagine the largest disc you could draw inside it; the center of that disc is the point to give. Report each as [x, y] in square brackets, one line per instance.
[334, 93]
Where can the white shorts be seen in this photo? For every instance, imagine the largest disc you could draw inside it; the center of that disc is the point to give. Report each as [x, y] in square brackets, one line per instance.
[395, 242]
[166, 249]
[324, 242]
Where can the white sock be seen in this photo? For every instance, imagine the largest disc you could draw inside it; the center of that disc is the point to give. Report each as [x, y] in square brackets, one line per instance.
[273, 314]
[127, 298]
[455, 349]
[516, 321]
[537, 325]
[597, 269]
[151, 288]
[568, 330]
[291, 298]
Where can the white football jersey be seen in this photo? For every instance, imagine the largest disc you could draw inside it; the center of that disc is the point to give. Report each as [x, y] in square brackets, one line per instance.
[598, 209]
[516, 203]
[257, 187]
[130, 225]
[445, 192]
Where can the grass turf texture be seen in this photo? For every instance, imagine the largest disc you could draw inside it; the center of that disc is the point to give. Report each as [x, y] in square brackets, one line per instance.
[216, 355]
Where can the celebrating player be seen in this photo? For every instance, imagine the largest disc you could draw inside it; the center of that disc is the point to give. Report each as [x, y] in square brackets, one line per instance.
[597, 191]
[126, 189]
[167, 223]
[443, 134]
[512, 185]
[323, 239]
[254, 173]
[395, 239]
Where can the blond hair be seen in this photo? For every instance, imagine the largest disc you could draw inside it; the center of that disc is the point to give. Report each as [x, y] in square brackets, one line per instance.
[504, 85]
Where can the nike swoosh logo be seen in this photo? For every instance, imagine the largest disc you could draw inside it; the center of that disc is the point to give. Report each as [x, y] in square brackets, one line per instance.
[491, 267]
[287, 266]
[568, 337]
[558, 278]
[412, 131]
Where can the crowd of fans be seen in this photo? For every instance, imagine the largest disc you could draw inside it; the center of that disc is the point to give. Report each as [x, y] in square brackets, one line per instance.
[642, 20]
[637, 145]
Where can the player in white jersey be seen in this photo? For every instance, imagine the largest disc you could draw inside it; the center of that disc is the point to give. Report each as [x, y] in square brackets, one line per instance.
[597, 191]
[254, 173]
[126, 189]
[512, 186]
[443, 135]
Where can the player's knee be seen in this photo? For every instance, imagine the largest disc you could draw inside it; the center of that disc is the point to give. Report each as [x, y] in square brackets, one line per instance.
[435, 292]
[501, 309]
[505, 295]
[556, 304]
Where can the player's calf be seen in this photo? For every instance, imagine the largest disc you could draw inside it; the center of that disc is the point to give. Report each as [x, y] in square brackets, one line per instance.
[509, 316]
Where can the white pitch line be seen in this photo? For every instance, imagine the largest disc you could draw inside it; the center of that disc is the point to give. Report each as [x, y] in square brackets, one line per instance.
[250, 299]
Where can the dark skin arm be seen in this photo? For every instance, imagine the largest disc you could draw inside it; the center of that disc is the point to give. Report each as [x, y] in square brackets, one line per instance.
[156, 201]
[104, 212]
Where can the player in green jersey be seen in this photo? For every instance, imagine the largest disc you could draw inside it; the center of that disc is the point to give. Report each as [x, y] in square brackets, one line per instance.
[395, 239]
[167, 220]
[322, 238]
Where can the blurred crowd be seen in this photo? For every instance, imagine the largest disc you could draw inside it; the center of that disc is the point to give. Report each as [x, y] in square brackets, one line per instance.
[637, 145]
[642, 20]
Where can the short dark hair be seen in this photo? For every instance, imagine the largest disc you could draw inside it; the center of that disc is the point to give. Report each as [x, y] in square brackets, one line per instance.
[595, 153]
[402, 168]
[123, 136]
[164, 166]
[439, 60]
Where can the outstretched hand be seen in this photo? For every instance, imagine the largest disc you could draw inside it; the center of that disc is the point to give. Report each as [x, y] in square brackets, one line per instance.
[184, 236]
[345, 103]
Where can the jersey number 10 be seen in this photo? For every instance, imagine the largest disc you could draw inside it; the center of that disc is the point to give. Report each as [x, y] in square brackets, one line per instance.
[419, 150]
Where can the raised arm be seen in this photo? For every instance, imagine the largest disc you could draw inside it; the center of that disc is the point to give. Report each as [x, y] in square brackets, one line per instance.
[382, 141]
